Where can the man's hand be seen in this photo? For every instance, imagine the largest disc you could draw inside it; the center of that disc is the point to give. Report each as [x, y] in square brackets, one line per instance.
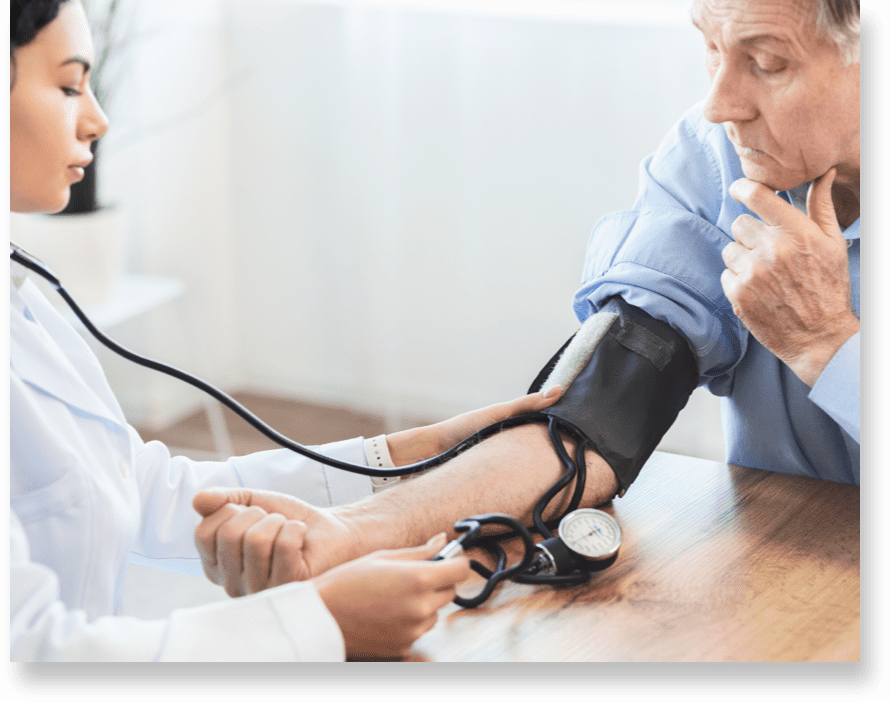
[787, 276]
[250, 540]
[413, 445]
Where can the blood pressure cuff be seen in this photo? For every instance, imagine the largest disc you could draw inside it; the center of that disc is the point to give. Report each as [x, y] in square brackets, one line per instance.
[625, 377]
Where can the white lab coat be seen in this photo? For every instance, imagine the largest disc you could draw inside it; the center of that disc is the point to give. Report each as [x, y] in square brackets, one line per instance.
[88, 495]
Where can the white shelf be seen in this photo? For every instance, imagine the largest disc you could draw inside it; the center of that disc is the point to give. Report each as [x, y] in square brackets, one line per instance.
[134, 296]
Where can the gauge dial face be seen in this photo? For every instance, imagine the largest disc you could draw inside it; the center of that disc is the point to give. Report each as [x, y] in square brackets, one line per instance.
[591, 533]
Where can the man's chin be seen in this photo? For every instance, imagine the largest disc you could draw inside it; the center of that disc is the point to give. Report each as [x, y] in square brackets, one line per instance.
[765, 176]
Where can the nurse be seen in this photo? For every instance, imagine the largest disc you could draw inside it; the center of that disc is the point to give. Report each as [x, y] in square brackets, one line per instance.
[88, 495]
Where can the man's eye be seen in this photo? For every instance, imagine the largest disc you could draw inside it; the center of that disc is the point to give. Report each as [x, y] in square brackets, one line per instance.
[769, 67]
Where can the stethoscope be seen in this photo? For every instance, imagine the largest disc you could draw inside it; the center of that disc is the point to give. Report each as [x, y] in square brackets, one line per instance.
[587, 540]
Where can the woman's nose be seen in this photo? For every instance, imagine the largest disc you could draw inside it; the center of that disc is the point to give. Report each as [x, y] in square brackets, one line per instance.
[93, 122]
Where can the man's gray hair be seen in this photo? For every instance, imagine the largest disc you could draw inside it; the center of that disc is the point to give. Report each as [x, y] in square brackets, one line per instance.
[839, 19]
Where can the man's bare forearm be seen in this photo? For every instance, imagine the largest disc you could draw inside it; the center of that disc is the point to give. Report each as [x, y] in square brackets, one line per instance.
[506, 473]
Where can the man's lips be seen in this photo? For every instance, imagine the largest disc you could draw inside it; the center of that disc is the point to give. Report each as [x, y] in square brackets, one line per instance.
[748, 152]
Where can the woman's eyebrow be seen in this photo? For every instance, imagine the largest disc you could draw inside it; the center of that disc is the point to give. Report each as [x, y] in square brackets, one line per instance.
[77, 59]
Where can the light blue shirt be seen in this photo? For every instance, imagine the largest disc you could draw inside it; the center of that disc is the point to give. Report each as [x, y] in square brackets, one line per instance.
[664, 257]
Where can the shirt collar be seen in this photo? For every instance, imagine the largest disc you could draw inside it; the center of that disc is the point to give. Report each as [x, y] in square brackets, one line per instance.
[798, 197]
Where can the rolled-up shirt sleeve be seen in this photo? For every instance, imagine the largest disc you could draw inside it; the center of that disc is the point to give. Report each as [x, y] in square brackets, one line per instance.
[665, 257]
[837, 391]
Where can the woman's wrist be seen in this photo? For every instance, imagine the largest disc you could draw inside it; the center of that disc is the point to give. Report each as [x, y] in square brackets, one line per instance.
[410, 446]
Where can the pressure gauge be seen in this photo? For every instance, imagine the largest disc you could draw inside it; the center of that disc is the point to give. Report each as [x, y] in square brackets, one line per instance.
[591, 534]
[588, 540]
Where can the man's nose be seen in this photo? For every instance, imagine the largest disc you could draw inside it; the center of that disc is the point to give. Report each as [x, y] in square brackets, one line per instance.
[729, 99]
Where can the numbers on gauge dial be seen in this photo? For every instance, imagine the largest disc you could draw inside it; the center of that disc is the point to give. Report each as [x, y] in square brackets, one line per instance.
[591, 533]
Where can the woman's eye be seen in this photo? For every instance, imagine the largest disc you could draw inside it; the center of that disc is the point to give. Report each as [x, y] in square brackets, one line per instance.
[71, 92]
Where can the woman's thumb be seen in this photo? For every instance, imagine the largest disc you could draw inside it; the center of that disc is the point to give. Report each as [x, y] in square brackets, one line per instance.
[419, 553]
[207, 502]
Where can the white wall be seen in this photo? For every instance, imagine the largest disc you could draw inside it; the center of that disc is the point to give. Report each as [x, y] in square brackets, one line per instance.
[415, 189]
[383, 205]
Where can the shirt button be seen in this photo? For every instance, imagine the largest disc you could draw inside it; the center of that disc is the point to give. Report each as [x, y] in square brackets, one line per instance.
[125, 469]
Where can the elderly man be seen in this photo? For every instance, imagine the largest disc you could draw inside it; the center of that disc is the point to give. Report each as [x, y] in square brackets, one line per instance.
[744, 239]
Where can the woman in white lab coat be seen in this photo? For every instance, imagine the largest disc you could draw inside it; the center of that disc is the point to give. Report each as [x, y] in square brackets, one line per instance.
[88, 495]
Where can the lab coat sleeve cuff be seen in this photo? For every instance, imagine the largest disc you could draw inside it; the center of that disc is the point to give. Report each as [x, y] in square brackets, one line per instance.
[286, 623]
[346, 487]
[284, 471]
[837, 390]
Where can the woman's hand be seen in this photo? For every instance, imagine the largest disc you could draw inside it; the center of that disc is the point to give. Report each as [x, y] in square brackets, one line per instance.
[385, 601]
[250, 540]
[413, 445]
[382, 602]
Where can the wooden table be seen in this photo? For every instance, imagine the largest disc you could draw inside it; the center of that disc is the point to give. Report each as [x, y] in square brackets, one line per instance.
[718, 563]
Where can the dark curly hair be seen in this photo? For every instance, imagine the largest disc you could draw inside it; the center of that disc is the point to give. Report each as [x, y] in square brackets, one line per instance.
[26, 19]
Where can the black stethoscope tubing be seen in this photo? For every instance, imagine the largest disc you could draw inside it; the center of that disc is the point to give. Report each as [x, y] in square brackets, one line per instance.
[574, 468]
[21, 257]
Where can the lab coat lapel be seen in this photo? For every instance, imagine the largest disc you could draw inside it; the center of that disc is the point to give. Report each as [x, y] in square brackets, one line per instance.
[37, 358]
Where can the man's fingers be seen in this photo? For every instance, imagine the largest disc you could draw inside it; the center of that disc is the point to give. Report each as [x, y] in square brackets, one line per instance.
[758, 198]
[733, 255]
[748, 231]
[820, 204]
[729, 283]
